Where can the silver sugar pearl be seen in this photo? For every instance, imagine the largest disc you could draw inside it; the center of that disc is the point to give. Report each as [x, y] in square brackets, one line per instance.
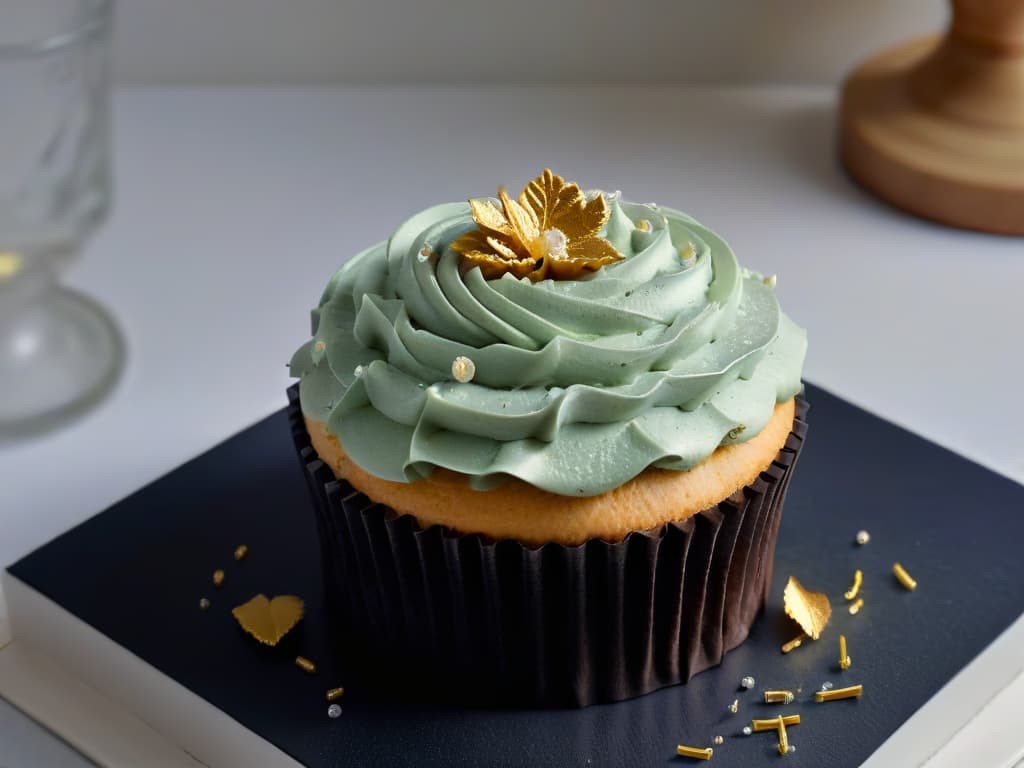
[826, 686]
[792, 748]
[747, 730]
[719, 740]
[735, 706]
[204, 603]
[863, 537]
[334, 711]
[747, 683]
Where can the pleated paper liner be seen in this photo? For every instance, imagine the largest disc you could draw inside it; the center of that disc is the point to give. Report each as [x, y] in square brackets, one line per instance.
[486, 621]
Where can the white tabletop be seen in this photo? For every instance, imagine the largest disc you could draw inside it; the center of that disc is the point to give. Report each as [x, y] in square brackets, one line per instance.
[235, 205]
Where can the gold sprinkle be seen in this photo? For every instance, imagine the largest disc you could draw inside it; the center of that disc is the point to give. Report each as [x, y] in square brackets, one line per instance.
[719, 741]
[839, 693]
[735, 706]
[335, 693]
[855, 607]
[463, 369]
[795, 643]
[643, 225]
[783, 738]
[218, 577]
[858, 577]
[771, 281]
[737, 431]
[320, 346]
[844, 659]
[688, 252]
[904, 578]
[811, 610]
[241, 551]
[698, 753]
[778, 697]
[305, 664]
[10, 264]
[773, 723]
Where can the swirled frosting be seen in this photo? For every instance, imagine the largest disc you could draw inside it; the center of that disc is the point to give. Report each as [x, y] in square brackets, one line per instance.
[579, 385]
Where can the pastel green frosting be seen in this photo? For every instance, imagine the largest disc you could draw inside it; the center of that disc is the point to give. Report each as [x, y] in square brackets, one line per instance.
[580, 385]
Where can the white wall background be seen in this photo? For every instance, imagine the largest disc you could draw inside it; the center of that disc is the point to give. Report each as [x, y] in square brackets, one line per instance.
[520, 41]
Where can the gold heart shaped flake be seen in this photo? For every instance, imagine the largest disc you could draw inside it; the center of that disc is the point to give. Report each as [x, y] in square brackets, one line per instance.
[269, 620]
[811, 610]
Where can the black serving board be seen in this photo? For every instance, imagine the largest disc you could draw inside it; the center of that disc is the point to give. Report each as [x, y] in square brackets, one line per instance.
[136, 573]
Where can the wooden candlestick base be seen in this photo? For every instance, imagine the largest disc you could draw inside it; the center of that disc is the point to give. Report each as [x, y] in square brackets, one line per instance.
[936, 126]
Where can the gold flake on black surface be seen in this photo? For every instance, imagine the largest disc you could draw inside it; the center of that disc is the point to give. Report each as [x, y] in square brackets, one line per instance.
[811, 610]
[269, 620]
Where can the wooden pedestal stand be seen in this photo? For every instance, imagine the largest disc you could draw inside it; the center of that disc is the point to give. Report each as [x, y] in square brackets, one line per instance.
[936, 126]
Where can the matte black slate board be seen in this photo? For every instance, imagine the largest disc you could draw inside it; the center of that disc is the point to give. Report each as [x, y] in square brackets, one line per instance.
[136, 573]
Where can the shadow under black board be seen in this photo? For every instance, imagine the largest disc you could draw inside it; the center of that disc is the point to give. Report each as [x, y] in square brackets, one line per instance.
[136, 573]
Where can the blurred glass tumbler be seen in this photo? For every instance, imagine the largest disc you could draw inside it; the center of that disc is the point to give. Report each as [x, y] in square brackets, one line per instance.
[59, 351]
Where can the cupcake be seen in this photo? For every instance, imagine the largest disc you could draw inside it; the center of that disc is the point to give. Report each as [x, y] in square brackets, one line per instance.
[548, 439]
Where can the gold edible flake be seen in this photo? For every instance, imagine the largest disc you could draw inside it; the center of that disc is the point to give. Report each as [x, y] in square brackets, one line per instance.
[269, 620]
[811, 610]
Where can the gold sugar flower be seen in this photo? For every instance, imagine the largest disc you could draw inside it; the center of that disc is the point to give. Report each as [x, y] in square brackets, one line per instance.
[551, 231]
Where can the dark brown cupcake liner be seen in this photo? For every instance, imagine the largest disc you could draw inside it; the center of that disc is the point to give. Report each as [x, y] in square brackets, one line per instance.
[498, 621]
